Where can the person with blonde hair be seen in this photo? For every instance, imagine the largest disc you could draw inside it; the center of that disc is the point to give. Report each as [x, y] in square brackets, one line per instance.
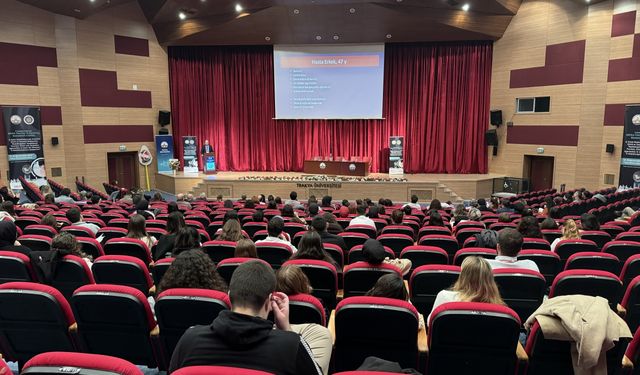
[570, 231]
[231, 231]
[291, 280]
[475, 284]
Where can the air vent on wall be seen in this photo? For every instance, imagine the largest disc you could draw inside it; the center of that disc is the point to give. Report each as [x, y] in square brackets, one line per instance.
[609, 178]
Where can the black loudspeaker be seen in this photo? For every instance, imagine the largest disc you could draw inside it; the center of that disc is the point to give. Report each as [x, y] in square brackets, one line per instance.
[491, 137]
[495, 150]
[163, 131]
[54, 141]
[164, 118]
[610, 148]
[496, 118]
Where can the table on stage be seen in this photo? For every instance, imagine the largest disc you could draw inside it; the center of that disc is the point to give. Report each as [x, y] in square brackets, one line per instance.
[356, 167]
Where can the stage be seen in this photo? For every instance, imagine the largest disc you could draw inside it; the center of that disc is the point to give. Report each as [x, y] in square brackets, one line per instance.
[446, 187]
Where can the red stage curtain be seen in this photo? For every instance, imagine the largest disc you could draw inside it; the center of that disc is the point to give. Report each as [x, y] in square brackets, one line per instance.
[436, 95]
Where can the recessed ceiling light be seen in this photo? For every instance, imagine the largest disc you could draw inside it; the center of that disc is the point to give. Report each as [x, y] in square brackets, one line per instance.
[336, 37]
[318, 37]
[388, 36]
[92, 1]
[296, 11]
[76, 10]
[182, 15]
[239, 8]
[466, 7]
[352, 10]
[267, 38]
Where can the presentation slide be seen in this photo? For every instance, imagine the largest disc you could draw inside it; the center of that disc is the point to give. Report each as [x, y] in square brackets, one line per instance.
[329, 81]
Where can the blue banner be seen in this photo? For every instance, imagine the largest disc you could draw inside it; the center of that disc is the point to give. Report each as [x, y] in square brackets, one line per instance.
[164, 152]
[24, 146]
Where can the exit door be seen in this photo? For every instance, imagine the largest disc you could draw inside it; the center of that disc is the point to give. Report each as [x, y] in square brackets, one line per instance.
[123, 169]
[539, 171]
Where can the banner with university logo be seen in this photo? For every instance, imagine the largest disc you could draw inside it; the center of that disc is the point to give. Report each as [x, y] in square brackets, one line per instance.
[190, 154]
[630, 160]
[24, 145]
[396, 155]
[164, 152]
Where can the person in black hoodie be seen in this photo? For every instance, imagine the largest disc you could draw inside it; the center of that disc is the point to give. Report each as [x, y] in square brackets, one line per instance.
[8, 236]
[243, 337]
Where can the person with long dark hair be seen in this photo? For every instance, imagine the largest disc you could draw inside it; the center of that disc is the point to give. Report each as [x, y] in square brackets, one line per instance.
[310, 247]
[192, 269]
[187, 238]
[137, 229]
[164, 247]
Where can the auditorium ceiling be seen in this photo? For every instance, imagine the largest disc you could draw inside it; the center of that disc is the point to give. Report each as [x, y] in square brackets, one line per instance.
[234, 22]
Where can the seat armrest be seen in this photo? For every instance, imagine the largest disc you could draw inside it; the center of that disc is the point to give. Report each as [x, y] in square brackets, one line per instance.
[423, 342]
[73, 329]
[622, 312]
[332, 326]
[155, 332]
[521, 354]
[627, 365]
[152, 291]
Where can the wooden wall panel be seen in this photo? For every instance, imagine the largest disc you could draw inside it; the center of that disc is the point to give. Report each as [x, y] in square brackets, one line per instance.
[540, 23]
[85, 44]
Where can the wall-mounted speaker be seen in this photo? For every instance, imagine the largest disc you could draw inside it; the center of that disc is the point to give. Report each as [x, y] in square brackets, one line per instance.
[163, 131]
[54, 141]
[610, 148]
[164, 118]
[491, 137]
[496, 118]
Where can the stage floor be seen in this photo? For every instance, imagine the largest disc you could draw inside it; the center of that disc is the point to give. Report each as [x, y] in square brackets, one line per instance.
[454, 187]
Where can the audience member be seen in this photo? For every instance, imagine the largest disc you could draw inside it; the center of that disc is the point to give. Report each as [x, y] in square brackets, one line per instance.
[482, 205]
[321, 226]
[231, 231]
[166, 243]
[258, 216]
[313, 210]
[142, 208]
[459, 215]
[8, 238]
[435, 205]
[244, 335]
[435, 219]
[589, 222]
[275, 229]
[397, 217]
[65, 196]
[245, 249]
[504, 218]
[50, 199]
[310, 246]
[474, 214]
[293, 199]
[414, 203]
[625, 214]
[362, 219]
[290, 280]
[289, 212]
[374, 253]
[326, 201]
[570, 231]
[7, 211]
[50, 221]
[509, 245]
[548, 223]
[137, 229]
[74, 216]
[529, 227]
[172, 207]
[392, 286]
[332, 224]
[192, 269]
[187, 238]
[67, 244]
[475, 284]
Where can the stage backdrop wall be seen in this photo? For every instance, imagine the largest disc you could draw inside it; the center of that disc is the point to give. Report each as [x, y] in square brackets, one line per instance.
[435, 95]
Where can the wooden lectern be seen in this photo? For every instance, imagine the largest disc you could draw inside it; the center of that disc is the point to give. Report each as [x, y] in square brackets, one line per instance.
[209, 163]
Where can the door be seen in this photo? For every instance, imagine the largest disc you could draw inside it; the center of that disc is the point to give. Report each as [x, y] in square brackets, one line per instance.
[123, 169]
[539, 171]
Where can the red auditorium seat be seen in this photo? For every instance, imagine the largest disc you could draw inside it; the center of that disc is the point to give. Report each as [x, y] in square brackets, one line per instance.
[129, 247]
[631, 303]
[110, 233]
[91, 246]
[521, 289]
[353, 239]
[323, 278]
[588, 282]
[252, 227]
[119, 222]
[599, 237]
[422, 255]
[548, 262]
[260, 235]
[499, 226]
[473, 251]
[612, 230]
[162, 224]
[395, 241]
[160, 267]
[359, 277]
[379, 222]
[203, 306]
[594, 261]
[548, 356]
[427, 230]
[219, 250]
[226, 267]
[630, 270]
[274, 253]
[551, 234]
[463, 234]
[23, 221]
[566, 248]
[35, 242]
[293, 228]
[464, 335]
[79, 231]
[71, 273]
[116, 320]
[40, 230]
[123, 270]
[399, 229]
[357, 372]
[15, 267]
[200, 218]
[427, 281]
[56, 363]
[217, 370]
[622, 249]
[213, 228]
[305, 308]
[356, 339]
[535, 244]
[336, 253]
[364, 229]
[628, 236]
[35, 318]
[469, 224]
[446, 243]
[355, 254]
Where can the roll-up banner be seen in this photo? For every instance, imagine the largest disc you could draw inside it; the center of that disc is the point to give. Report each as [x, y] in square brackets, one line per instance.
[24, 145]
[396, 155]
[164, 152]
[630, 160]
[190, 154]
